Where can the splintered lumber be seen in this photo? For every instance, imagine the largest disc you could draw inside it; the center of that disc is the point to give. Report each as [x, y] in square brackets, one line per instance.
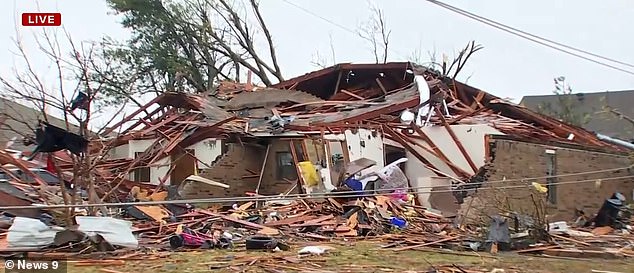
[602, 230]
[570, 240]
[97, 262]
[106, 270]
[157, 213]
[427, 244]
[238, 221]
[455, 139]
[315, 222]
[578, 253]
[289, 220]
[536, 249]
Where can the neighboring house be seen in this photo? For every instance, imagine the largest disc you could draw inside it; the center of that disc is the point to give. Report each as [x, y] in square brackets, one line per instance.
[18, 120]
[333, 121]
[600, 120]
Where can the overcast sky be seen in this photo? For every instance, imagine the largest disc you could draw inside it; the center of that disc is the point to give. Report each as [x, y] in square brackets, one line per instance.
[508, 66]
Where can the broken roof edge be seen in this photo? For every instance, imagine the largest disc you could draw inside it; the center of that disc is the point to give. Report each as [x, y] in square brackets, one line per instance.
[338, 67]
[527, 115]
[559, 144]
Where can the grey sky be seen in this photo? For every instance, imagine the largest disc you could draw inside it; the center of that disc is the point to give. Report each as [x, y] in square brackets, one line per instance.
[508, 66]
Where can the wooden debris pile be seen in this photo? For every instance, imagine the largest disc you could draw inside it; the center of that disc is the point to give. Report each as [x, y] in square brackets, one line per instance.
[599, 242]
[306, 220]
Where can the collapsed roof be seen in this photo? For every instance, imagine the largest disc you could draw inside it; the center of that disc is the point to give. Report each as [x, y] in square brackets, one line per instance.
[332, 100]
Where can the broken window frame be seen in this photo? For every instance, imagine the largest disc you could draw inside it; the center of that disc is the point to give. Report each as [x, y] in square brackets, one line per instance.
[551, 180]
[141, 172]
[285, 168]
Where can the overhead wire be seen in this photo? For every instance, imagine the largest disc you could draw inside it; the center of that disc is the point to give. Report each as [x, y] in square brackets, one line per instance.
[536, 39]
[347, 29]
[530, 34]
[514, 31]
[340, 194]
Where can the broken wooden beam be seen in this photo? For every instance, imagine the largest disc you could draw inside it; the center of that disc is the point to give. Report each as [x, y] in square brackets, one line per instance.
[439, 152]
[456, 140]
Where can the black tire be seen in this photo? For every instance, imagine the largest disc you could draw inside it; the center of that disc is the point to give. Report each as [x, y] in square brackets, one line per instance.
[260, 242]
[208, 244]
[176, 241]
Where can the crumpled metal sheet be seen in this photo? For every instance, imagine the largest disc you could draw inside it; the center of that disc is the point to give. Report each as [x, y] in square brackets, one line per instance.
[29, 232]
[114, 231]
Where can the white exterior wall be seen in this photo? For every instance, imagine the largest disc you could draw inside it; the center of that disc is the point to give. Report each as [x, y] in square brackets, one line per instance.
[363, 144]
[162, 166]
[472, 139]
[119, 152]
[425, 185]
[206, 151]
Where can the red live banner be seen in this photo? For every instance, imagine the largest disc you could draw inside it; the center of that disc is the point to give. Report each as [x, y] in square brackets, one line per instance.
[42, 19]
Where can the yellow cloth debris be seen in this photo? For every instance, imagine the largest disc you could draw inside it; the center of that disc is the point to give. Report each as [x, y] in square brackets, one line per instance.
[309, 173]
[540, 188]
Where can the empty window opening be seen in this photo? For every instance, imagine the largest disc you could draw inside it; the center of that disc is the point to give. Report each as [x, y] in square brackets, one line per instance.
[141, 174]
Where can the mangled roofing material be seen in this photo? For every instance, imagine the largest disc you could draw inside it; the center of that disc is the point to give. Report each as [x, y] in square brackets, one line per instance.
[466, 104]
[344, 96]
[268, 98]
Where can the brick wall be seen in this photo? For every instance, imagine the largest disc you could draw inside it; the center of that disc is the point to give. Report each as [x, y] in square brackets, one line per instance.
[235, 168]
[520, 160]
[239, 168]
[270, 183]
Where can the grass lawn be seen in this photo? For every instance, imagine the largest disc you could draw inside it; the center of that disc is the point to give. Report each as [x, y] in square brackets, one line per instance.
[356, 257]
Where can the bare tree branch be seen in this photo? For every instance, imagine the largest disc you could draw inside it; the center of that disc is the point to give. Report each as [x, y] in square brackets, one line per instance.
[375, 31]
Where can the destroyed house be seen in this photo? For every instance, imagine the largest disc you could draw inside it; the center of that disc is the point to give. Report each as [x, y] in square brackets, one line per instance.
[368, 127]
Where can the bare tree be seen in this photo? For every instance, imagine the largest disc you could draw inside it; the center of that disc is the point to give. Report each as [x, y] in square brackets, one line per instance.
[567, 106]
[72, 76]
[376, 32]
[444, 67]
[323, 62]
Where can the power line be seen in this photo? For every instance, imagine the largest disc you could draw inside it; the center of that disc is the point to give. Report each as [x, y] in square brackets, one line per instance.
[535, 38]
[342, 194]
[347, 29]
[321, 17]
[541, 38]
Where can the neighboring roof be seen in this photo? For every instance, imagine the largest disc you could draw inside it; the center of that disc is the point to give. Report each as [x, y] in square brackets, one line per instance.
[600, 120]
[18, 120]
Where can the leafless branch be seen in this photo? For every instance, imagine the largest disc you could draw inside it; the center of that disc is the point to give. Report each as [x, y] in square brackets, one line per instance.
[375, 31]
